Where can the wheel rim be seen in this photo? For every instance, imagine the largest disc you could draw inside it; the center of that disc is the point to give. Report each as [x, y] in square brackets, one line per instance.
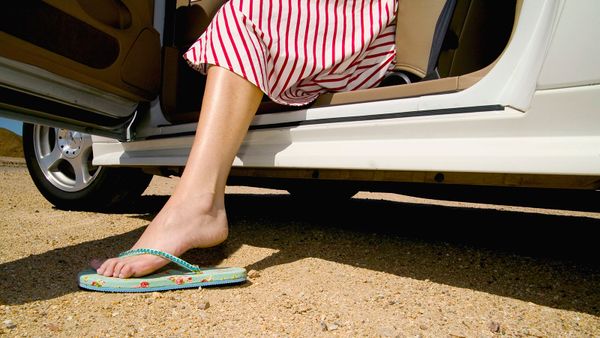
[65, 157]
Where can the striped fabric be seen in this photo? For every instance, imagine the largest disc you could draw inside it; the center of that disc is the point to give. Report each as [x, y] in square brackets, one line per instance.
[295, 50]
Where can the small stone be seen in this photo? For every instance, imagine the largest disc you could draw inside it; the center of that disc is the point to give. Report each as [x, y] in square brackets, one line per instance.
[156, 295]
[323, 326]
[378, 297]
[332, 326]
[423, 327]
[329, 326]
[253, 274]
[53, 327]
[456, 335]
[114, 314]
[204, 305]
[9, 324]
[494, 326]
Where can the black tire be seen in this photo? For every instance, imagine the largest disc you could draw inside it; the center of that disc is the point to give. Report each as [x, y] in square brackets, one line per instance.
[108, 189]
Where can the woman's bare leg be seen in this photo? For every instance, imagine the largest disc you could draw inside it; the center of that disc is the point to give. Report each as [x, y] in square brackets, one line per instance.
[194, 216]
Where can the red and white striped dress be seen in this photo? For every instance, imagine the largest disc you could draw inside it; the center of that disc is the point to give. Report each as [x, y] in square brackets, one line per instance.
[295, 50]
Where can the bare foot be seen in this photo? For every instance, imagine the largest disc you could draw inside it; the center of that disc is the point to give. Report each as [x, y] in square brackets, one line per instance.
[178, 227]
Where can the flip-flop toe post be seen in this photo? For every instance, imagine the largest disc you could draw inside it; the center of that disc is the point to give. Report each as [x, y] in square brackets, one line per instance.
[189, 276]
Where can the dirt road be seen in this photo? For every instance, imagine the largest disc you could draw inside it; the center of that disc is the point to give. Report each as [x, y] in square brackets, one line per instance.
[379, 265]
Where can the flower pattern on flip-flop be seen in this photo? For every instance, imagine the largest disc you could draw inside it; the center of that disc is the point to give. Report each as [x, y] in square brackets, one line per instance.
[98, 283]
[144, 284]
[179, 280]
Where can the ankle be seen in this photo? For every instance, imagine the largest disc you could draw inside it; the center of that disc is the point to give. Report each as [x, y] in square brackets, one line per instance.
[202, 202]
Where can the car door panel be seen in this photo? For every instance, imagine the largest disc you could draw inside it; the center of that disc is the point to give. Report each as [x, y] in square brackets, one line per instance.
[92, 61]
[99, 43]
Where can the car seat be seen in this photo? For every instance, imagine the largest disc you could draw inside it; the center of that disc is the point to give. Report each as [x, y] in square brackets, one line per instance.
[421, 30]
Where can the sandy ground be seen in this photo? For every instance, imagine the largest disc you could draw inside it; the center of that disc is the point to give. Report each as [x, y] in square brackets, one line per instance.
[379, 265]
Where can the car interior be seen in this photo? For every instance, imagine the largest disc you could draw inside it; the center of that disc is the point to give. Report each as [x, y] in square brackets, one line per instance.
[443, 46]
[65, 37]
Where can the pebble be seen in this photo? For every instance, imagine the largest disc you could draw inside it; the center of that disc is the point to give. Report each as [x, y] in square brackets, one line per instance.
[53, 327]
[9, 324]
[204, 305]
[156, 295]
[323, 326]
[494, 326]
[378, 297]
[332, 326]
[253, 274]
[329, 326]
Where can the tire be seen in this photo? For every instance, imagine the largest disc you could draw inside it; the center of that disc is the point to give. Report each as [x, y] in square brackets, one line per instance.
[60, 164]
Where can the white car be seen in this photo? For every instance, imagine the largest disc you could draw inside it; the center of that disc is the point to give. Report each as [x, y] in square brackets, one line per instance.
[486, 93]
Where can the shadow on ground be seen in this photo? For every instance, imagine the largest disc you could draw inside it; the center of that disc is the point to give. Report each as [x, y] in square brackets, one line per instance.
[544, 259]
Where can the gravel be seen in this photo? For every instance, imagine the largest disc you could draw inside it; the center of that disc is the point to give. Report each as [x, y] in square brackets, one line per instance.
[9, 324]
[379, 265]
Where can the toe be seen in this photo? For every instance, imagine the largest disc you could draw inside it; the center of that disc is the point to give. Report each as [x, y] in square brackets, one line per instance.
[126, 271]
[108, 267]
[120, 264]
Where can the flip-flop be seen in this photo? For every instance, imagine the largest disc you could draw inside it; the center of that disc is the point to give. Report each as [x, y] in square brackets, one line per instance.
[167, 279]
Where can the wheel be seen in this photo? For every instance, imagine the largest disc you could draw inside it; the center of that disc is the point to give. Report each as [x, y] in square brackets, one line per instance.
[60, 164]
[322, 191]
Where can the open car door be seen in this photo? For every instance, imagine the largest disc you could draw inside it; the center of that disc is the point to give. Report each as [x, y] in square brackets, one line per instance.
[81, 64]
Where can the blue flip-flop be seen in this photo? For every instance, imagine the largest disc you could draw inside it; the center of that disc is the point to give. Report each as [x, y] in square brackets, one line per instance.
[167, 279]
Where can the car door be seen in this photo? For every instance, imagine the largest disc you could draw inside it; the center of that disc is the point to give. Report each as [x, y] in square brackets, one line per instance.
[81, 64]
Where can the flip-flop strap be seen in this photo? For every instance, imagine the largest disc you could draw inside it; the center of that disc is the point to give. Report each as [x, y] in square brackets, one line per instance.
[176, 260]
